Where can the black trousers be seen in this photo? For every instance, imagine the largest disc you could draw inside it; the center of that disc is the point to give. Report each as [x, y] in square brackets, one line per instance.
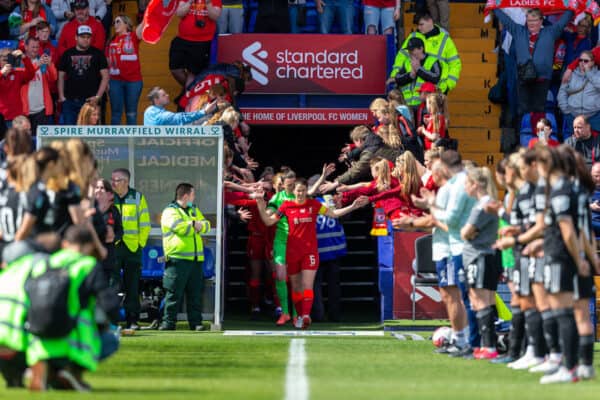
[328, 271]
[532, 96]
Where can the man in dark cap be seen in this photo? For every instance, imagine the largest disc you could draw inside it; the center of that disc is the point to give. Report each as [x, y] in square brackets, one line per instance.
[415, 70]
[82, 17]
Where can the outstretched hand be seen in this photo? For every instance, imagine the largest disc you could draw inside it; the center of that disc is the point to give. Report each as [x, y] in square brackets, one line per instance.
[328, 169]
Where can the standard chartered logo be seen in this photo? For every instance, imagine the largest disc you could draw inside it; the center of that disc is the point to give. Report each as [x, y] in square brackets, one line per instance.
[254, 56]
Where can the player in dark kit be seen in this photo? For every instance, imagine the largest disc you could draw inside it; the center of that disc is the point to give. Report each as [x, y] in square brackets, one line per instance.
[13, 202]
[302, 254]
[562, 250]
[584, 186]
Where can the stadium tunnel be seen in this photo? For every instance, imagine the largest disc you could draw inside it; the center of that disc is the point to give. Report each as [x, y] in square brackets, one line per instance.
[305, 149]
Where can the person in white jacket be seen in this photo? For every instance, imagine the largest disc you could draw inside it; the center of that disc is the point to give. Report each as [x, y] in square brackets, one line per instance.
[581, 95]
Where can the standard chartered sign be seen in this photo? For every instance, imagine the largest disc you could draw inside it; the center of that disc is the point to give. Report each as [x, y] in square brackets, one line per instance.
[158, 157]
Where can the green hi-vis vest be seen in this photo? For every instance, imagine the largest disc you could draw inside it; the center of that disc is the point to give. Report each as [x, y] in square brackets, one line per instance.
[14, 302]
[443, 48]
[180, 239]
[82, 345]
[411, 91]
[136, 219]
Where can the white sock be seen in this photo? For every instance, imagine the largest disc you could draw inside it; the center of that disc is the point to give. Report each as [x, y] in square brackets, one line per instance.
[555, 356]
[459, 337]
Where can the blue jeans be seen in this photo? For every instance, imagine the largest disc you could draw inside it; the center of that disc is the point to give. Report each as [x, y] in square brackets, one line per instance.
[293, 10]
[231, 20]
[70, 111]
[375, 17]
[344, 9]
[127, 94]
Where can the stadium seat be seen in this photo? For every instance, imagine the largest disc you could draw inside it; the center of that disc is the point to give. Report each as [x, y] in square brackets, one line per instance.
[526, 131]
[208, 267]
[425, 272]
[153, 265]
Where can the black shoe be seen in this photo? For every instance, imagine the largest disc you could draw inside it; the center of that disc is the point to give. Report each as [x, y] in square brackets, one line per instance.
[456, 351]
[152, 327]
[165, 327]
[255, 315]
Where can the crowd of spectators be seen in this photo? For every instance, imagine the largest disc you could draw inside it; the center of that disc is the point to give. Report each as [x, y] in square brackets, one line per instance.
[405, 164]
[548, 72]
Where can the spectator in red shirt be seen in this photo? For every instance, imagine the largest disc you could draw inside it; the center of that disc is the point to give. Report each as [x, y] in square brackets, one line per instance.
[35, 94]
[190, 49]
[436, 120]
[46, 46]
[11, 81]
[544, 136]
[34, 12]
[124, 69]
[68, 35]
[398, 201]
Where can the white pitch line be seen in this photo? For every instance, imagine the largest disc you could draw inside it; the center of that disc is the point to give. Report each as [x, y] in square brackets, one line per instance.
[296, 381]
[303, 333]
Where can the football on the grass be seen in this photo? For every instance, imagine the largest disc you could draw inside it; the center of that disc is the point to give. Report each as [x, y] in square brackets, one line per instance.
[441, 336]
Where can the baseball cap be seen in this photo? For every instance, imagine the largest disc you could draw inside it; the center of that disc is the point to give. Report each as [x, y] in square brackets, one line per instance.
[427, 87]
[415, 43]
[81, 4]
[84, 30]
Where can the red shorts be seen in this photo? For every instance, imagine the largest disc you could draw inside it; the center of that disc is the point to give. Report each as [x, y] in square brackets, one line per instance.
[258, 247]
[308, 261]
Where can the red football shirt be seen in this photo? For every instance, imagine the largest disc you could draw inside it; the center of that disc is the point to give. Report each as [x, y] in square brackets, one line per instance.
[302, 220]
[188, 30]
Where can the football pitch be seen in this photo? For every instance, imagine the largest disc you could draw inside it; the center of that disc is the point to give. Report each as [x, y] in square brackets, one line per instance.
[210, 365]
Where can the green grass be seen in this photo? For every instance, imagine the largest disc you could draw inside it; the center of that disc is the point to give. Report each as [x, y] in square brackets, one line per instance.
[207, 365]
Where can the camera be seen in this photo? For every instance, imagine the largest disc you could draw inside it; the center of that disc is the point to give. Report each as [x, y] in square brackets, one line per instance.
[13, 60]
[200, 23]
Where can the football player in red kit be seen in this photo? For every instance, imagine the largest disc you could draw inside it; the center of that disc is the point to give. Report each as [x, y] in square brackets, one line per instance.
[302, 251]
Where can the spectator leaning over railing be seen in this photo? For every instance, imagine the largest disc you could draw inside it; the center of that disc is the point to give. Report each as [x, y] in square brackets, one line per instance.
[437, 43]
[534, 48]
[581, 94]
[157, 114]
